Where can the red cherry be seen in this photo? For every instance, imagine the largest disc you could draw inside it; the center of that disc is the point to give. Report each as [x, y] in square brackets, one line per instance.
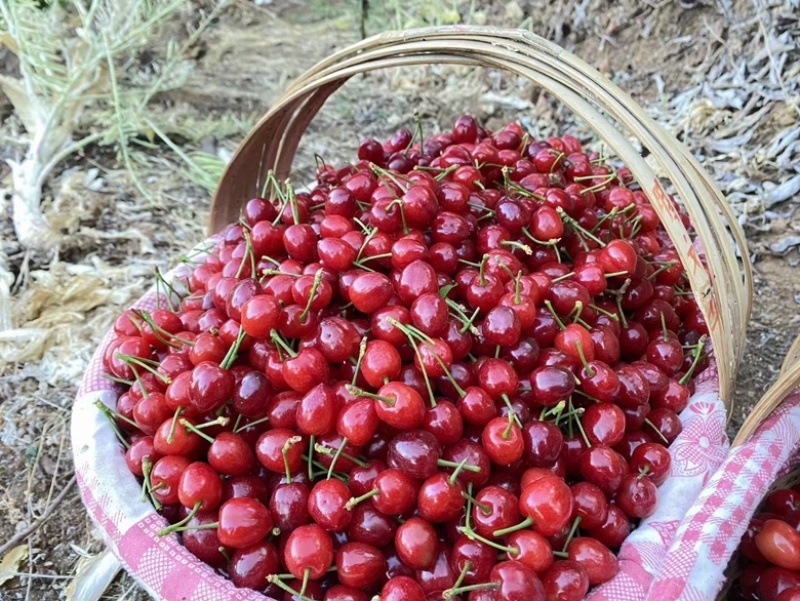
[200, 485]
[250, 567]
[402, 588]
[327, 504]
[308, 548]
[416, 543]
[359, 565]
[548, 502]
[243, 521]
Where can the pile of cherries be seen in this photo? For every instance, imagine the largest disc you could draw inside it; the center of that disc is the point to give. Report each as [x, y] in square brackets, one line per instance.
[770, 550]
[449, 371]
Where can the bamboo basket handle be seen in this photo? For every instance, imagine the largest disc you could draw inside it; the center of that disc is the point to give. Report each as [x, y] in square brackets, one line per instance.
[788, 381]
[722, 286]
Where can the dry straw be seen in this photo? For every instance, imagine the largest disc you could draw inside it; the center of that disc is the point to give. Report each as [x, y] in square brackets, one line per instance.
[722, 286]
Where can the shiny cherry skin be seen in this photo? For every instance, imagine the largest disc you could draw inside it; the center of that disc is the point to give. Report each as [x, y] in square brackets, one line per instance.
[566, 581]
[243, 521]
[310, 548]
[250, 566]
[416, 543]
[596, 559]
[359, 565]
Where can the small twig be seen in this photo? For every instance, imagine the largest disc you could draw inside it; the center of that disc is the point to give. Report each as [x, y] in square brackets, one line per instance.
[23, 534]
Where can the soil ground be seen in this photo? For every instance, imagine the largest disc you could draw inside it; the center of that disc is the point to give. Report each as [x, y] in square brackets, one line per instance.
[717, 74]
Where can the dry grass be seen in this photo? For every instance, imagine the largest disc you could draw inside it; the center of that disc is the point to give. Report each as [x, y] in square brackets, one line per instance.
[722, 75]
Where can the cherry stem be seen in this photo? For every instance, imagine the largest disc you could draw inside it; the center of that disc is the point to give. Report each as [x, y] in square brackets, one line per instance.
[517, 288]
[314, 287]
[279, 272]
[224, 552]
[340, 452]
[368, 237]
[578, 227]
[116, 380]
[664, 330]
[237, 428]
[380, 172]
[552, 242]
[412, 332]
[460, 466]
[507, 432]
[454, 476]
[275, 579]
[468, 511]
[413, 335]
[356, 500]
[556, 411]
[372, 258]
[511, 529]
[454, 592]
[370, 395]
[511, 413]
[472, 535]
[281, 343]
[572, 531]
[160, 333]
[599, 186]
[177, 526]
[608, 314]
[285, 451]
[362, 349]
[657, 431]
[621, 311]
[460, 580]
[220, 421]
[561, 278]
[484, 509]
[292, 199]
[147, 488]
[248, 254]
[146, 364]
[663, 267]
[174, 424]
[112, 417]
[233, 352]
[579, 424]
[575, 314]
[462, 317]
[644, 471]
[489, 212]
[336, 456]
[586, 366]
[549, 306]
[482, 269]
[312, 444]
[514, 244]
[306, 574]
[698, 351]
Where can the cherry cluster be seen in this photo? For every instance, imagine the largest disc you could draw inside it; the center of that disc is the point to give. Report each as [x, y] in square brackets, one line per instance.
[449, 371]
[770, 549]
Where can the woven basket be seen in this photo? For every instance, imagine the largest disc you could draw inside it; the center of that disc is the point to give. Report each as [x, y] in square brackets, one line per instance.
[721, 283]
[723, 289]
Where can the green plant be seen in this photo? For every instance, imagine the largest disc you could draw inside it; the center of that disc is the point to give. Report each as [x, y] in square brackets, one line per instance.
[68, 54]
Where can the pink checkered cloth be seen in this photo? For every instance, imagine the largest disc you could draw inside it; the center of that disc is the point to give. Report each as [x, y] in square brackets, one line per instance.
[168, 571]
[708, 535]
